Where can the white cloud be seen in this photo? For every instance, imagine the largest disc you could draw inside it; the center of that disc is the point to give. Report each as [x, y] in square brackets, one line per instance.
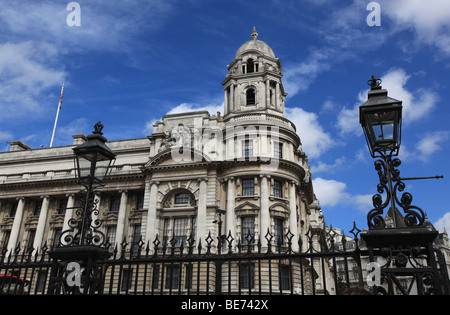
[332, 193]
[416, 105]
[189, 107]
[329, 168]
[443, 223]
[329, 192]
[26, 72]
[429, 19]
[431, 143]
[314, 139]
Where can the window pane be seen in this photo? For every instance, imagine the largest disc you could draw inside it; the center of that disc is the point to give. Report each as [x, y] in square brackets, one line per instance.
[278, 150]
[115, 203]
[246, 276]
[172, 277]
[277, 189]
[285, 278]
[247, 148]
[247, 230]
[181, 198]
[278, 231]
[180, 228]
[111, 236]
[248, 187]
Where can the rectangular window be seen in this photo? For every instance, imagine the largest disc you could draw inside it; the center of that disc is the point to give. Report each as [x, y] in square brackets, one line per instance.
[179, 231]
[58, 232]
[13, 210]
[37, 208]
[246, 276]
[155, 277]
[247, 148]
[247, 230]
[278, 150]
[136, 237]
[62, 206]
[277, 189]
[140, 201]
[111, 236]
[285, 277]
[114, 205]
[41, 280]
[180, 227]
[189, 275]
[248, 187]
[31, 236]
[172, 277]
[127, 277]
[279, 231]
[181, 199]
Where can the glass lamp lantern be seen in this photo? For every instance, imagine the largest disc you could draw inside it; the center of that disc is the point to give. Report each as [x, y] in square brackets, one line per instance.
[380, 118]
[93, 158]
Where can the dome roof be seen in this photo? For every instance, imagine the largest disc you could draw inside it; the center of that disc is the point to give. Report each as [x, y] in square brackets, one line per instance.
[255, 44]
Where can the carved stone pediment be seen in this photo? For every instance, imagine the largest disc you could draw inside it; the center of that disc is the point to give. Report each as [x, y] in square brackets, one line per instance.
[247, 208]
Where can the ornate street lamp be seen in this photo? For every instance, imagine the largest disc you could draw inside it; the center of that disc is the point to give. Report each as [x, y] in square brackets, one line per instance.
[381, 119]
[402, 240]
[83, 244]
[93, 158]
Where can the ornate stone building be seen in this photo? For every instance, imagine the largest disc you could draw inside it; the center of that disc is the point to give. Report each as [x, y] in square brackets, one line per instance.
[247, 165]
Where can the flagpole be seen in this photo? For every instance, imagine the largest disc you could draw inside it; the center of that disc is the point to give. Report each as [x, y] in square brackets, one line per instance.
[57, 114]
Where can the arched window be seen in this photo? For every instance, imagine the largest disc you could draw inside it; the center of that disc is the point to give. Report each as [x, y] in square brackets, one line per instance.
[179, 213]
[251, 96]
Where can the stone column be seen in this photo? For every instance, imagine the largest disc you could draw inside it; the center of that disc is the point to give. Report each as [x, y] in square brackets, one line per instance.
[201, 232]
[151, 214]
[277, 96]
[69, 212]
[267, 93]
[16, 225]
[121, 219]
[41, 224]
[232, 109]
[264, 214]
[225, 102]
[293, 220]
[230, 222]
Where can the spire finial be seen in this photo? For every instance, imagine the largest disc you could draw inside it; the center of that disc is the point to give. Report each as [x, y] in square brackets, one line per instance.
[254, 34]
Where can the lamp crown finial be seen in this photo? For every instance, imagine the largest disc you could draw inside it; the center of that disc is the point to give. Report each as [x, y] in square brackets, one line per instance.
[374, 83]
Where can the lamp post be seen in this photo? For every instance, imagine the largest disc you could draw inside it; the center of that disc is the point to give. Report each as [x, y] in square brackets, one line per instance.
[83, 245]
[402, 240]
[381, 120]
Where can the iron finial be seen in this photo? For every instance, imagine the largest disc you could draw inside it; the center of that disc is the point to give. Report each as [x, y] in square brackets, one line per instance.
[374, 82]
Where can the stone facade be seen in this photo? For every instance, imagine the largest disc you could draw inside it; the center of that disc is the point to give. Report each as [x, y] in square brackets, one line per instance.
[247, 162]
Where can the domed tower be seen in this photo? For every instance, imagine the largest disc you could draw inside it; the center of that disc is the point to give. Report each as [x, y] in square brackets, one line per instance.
[253, 83]
[265, 175]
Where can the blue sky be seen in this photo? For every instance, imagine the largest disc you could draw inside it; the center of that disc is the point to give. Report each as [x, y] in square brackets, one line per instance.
[131, 62]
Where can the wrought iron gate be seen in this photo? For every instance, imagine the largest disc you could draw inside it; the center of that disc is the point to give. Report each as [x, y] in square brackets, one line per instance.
[317, 264]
